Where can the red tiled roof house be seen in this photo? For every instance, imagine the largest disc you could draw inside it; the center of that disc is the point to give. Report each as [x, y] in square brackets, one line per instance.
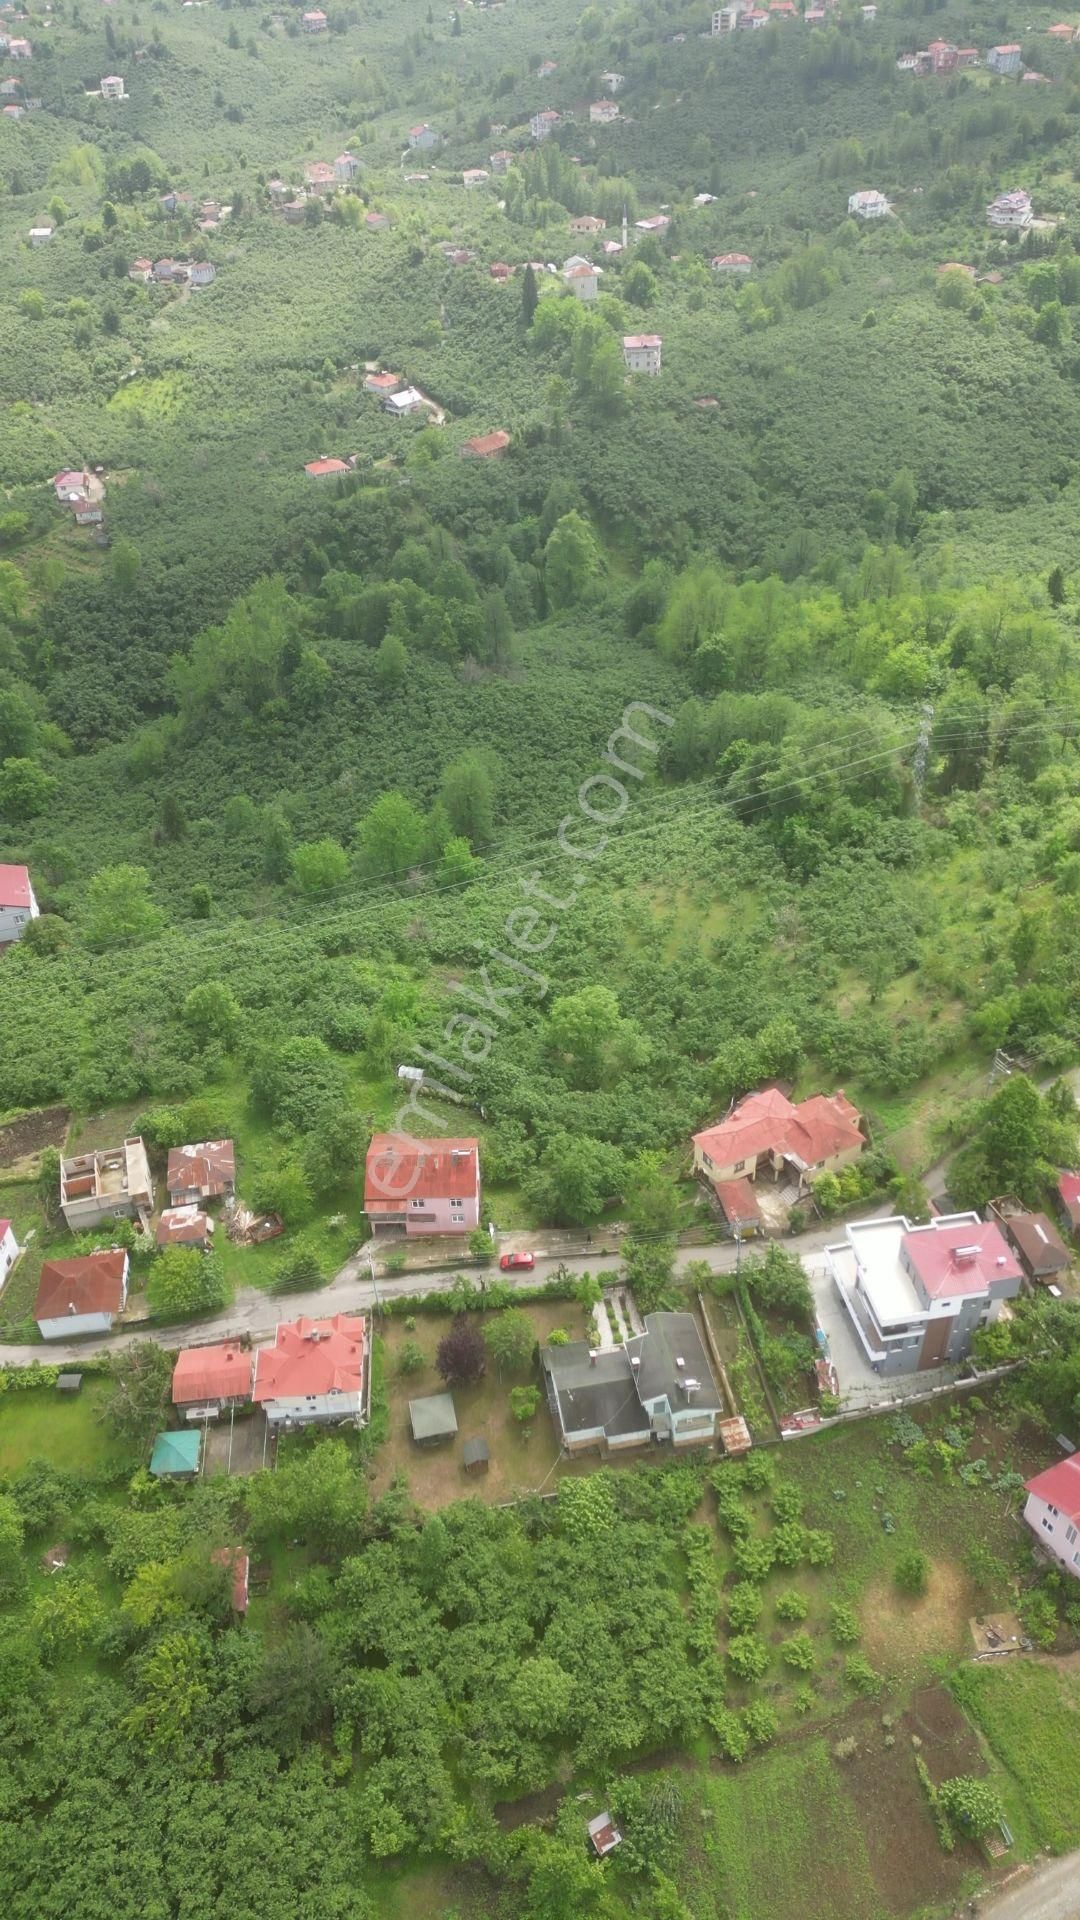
[1052, 1511]
[315, 1374]
[424, 1186]
[83, 1295]
[767, 1133]
[213, 1376]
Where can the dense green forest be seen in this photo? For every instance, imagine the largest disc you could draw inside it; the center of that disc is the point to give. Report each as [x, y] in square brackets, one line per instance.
[724, 728]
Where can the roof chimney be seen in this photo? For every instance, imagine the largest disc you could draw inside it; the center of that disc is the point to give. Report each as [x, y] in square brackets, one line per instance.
[636, 1363]
[592, 1357]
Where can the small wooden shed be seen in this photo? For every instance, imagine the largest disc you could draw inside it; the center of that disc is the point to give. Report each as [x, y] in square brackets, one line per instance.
[476, 1455]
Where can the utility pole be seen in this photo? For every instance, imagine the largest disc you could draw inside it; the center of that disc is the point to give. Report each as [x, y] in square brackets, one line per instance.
[922, 747]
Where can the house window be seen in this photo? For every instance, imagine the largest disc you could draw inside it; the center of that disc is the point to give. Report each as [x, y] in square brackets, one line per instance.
[1070, 1534]
[1054, 1511]
[739, 1165]
[416, 1205]
[1048, 1524]
[456, 1203]
[457, 1219]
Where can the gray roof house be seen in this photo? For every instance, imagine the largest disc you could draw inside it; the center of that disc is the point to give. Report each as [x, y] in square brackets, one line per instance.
[658, 1386]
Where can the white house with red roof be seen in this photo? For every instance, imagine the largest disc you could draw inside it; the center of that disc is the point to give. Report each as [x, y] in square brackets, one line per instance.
[768, 1133]
[423, 137]
[9, 1250]
[731, 263]
[313, 22]
[916, 1295]
[1052, 1511]
[1068, 1199]
[641, 352]
[213, 1377]
[83, 1295]
[316, 1372]
[424, 1186]
[17, 904]
[603, 112]
[543, 123]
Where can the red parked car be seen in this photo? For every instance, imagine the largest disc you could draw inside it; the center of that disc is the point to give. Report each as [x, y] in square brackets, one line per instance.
[510, 1262]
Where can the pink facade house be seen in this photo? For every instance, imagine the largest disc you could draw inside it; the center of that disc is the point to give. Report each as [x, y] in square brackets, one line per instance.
[423, 1186]
[1052, 1511]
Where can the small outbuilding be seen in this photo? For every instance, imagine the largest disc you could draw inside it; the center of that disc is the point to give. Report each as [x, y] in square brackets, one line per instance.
[68, 1382]
[476, 1455]
[176, 1456]
[433, 1419]
[604, 1835]
[738, 1204]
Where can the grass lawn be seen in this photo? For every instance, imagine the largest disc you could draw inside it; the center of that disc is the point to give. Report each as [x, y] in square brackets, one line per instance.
[41, 1424]
[1029, 1714]
[522, 1458]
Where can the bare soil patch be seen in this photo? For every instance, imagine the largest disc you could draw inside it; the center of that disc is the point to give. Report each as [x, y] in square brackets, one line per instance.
[910, 1869]
[22, 1139]
[246, 1450]
[900, 1633]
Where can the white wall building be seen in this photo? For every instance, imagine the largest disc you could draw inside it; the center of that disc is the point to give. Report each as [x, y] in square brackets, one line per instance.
[1052, 1512]
[9, 1250]
[868, 205]
[17, 903]
[641, 352]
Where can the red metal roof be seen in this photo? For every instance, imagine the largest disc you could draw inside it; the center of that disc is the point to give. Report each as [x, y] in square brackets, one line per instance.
[960, 1258]
[1068, 1187]
[311, 1357]
[5, 1228]
[633, 340]
[317, 467]
[91, 1283]
[14, 886]
[208, 1165]
[486, 444]
[212, 1373]
[1059, 1486]
[399, 1168]
[182, 1227]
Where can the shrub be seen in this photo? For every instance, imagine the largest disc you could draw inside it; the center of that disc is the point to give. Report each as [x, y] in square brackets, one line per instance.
[753, 1559]
[731, 1512]
[789, 1543]
[748, 1656]
[731, 1733]
[411, 1357]
[744, 1605]
[970, 1805]
[524, 1402]
[792, 1605]
[558, 1337]
[761, 1722]
[860, 1675]
[1039, 1617]
[843, 1624]
[846, 1749]
[786, 1501]
[758, 1471]
[805, 1699]
[820, 1547]
[911, 1570]
[798, 1652]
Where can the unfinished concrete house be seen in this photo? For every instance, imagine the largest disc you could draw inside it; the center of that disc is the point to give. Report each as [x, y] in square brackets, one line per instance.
[112, 1184]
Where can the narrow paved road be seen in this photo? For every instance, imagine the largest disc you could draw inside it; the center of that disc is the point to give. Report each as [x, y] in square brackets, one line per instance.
[1052, 1892]
[256, 1313]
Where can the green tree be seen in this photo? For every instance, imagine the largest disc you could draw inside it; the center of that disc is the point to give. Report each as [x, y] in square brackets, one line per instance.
[320, 867]
[541, 1696]
[332, 1148]
[391, 836]
[25, 789]
[1055, 587]
[212, 1014]
[118, 910]
[277, 845]
[124, 564]
[576, 1178]
[581, 1024]
[411, 1357]
[970, 1805]
[289, 1692]
[140, 1378]
[317, 1493]
[523, 1403]
[391, 661]
[1053, 327]
[529, 296]
[460, 1356]
[467, 793]
[173, 1693]
[12, 1571]
[571, 561]
[184, 1281]
[510, 1339]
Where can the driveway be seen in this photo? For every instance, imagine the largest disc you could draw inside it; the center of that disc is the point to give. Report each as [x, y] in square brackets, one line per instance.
[1051, 1892]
